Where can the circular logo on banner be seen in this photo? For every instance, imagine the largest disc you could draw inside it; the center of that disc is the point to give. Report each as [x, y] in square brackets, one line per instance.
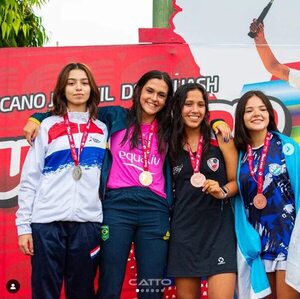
[13, 286]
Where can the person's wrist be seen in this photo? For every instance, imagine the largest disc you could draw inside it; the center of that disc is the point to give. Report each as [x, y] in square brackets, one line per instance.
[260, 40]
[225, 191]
[34, 120]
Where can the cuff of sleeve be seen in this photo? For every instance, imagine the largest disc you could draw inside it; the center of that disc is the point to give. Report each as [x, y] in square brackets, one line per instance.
[24, 229]
[34, 120]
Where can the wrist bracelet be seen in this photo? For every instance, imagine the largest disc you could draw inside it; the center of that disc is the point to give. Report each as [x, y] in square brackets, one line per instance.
[225, 191]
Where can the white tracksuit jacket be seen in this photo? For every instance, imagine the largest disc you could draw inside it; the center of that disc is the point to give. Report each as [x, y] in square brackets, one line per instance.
[48, 191]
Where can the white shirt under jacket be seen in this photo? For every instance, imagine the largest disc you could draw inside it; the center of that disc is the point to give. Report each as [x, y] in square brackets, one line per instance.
[48, 191]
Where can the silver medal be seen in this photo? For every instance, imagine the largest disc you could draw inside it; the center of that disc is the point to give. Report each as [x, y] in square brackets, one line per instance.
[77, 173]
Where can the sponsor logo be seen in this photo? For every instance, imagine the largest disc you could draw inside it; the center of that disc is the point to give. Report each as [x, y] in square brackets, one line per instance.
[150, 285]
[221, 261]
[95, 140]
[133, 158]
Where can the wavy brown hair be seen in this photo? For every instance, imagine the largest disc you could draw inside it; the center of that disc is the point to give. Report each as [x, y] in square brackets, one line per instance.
[59, 98]
[135, 112]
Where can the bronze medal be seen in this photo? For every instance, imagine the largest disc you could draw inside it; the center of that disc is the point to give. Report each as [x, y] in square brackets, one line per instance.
[145, 178]
[197, 179]
[259, 201]
[77, 173]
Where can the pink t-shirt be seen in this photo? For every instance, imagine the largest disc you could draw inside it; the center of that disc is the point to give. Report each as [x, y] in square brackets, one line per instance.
[127, 163]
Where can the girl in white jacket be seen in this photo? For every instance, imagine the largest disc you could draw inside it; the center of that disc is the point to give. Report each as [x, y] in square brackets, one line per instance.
[60, 213]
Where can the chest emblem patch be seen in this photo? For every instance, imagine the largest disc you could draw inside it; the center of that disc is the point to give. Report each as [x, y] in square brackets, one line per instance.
[213, 164]
[275, 169]
[177, 169]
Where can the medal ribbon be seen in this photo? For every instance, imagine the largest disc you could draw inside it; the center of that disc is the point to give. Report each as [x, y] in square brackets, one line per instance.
[147, 145]
[195, 160]
[261, 164]
[71, 139]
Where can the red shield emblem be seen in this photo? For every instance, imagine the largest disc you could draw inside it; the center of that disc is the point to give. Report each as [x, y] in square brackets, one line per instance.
[213, 164]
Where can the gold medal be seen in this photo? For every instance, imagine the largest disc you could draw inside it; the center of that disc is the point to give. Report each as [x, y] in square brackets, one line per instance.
[77, 173]
[197, 179]
[145, 178]
[259, 201]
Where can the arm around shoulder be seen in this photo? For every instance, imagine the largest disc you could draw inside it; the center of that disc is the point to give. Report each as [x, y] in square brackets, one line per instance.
[230, 155]
[33, 124]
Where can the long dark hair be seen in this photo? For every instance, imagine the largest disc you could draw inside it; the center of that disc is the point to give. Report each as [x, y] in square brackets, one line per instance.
[178, 137]
[241, 133]
[59, 97]
[135, 112]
